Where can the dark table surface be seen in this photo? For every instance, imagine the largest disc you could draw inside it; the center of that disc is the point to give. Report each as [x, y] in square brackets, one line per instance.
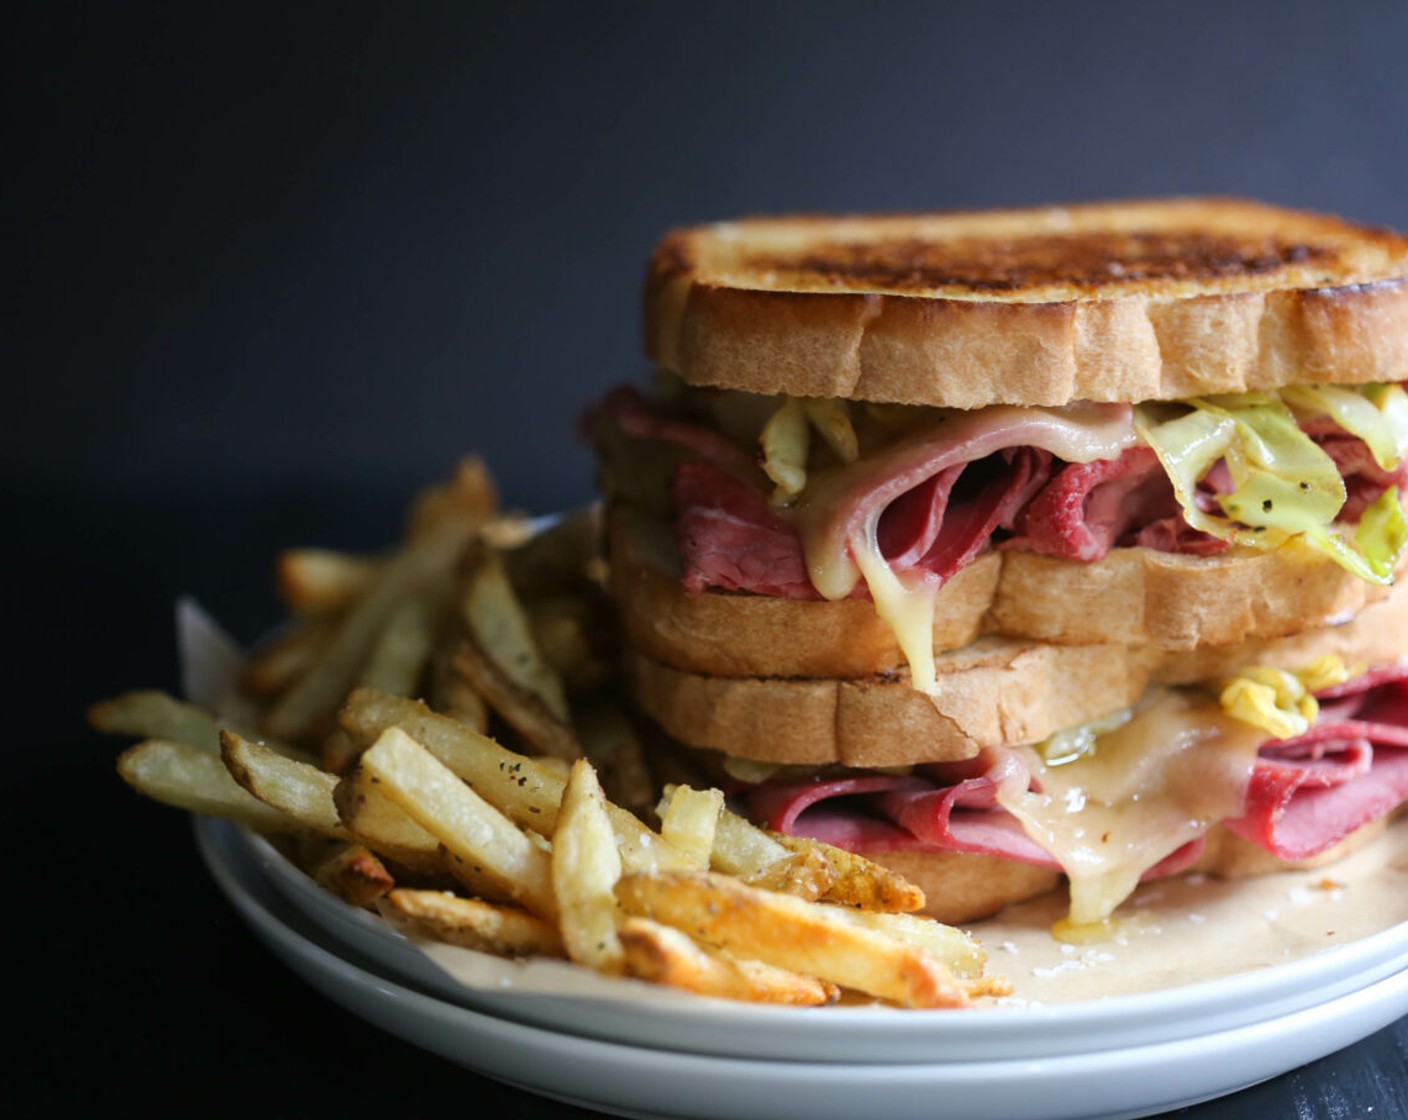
[138, 982]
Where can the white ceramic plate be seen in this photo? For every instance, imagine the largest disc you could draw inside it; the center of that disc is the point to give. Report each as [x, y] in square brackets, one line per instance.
[637, 1081]
[646, 1016]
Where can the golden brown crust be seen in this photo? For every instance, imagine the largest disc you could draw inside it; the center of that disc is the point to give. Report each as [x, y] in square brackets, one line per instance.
[1133, 596]
[1124, 301]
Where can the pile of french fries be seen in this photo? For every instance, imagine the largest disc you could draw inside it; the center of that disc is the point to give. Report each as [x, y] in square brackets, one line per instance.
[372, 765]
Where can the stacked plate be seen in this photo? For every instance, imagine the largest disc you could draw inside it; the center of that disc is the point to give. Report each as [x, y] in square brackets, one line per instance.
[633, 1050]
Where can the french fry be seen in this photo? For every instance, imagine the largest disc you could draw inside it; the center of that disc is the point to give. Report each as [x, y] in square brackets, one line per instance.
[790, 933]
[689, 821]
[859, 881]
[452, 695]
[399, 656]
[443, 521]
[560, 557]
[483, 614]
[468, 496]
[150, 714]
[471, 923]
[355, 875]
[609, 739]
[384, 827]
[805, 874]
[190, 778]
[475, 833]
[662, 954]
[946, 943]
[749, 852]
[275, 665]
[501, 628]
[585, 867]
[527, 790]
[524, 711]
[303, 792]
[740, 847]
[317, 581]
[562, 626]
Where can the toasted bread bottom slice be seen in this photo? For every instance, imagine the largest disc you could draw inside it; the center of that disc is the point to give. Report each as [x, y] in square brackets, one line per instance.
[992, 692]
[1131, 597]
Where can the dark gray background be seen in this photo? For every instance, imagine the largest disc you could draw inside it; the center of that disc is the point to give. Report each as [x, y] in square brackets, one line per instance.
[337, 245]
[272, 268]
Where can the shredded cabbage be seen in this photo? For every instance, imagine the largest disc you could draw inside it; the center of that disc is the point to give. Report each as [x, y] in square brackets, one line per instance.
[1279, 701]
[785, 444]
[786, 441]
[1284, 485]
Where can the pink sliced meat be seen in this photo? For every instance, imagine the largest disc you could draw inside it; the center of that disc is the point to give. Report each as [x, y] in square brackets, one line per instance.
[730, 537]
[1364, 479]
[1351, 768]
[1305, 795]
[635, 417]
[1089, 508]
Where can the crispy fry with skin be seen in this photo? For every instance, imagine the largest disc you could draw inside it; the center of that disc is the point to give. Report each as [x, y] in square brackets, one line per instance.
[522, 710]
[805, 874]
[190, 778]
[475, 834]
[749, 852]
[585, 867]
[355, 875]
[790, 933]
[662, 954]
[859, 881]
[471, 923]
[303, 792]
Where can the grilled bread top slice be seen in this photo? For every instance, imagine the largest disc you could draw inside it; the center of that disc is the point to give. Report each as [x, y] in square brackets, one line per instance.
[1156, 299]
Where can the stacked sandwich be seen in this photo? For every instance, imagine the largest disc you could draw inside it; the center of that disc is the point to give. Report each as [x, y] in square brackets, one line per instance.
[1016, 545]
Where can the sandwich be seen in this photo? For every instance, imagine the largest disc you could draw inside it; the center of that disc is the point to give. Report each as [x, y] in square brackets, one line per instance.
[1006, 547]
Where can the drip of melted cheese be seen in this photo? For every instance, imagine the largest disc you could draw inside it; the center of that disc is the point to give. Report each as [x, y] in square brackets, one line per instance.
[1151, 785]
[838, 517]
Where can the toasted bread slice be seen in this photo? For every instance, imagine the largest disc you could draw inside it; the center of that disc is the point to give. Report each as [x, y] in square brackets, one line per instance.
[1121, 301]
[1134, 596]
[992, 692]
